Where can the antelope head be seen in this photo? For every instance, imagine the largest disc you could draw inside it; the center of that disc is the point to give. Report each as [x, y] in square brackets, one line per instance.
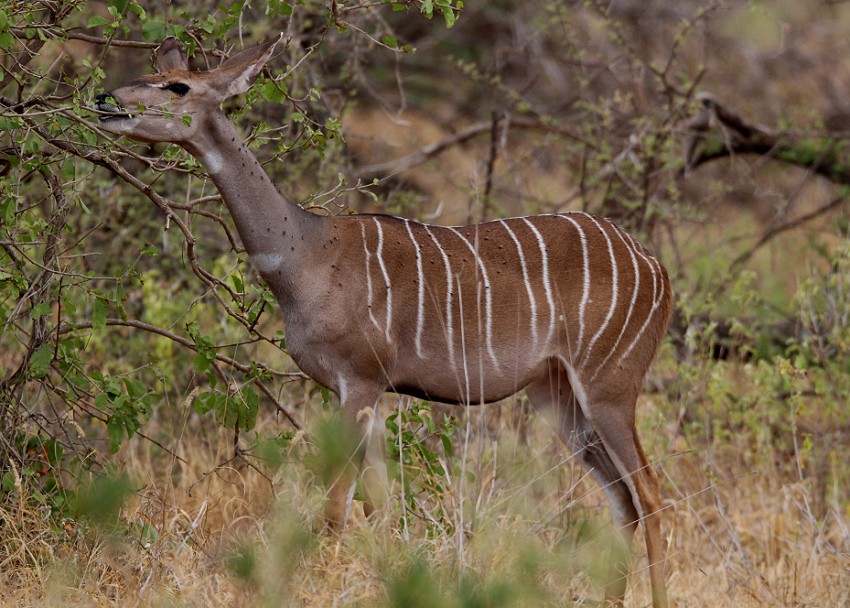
[176, 104]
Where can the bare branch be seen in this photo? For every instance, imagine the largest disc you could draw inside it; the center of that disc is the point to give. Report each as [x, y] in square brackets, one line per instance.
[405, 163]
[770, 233]
[824, 155]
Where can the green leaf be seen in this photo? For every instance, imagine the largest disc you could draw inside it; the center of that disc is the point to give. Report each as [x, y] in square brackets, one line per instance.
[135, 388]
[40, 361]
[7, 41]
[449, 14]
[248, 417]
[136, 8]
[41, 309]
[102, 401]
[194, 330]
[97, 21]
[115, 432]
[390, 41]
[98, 318]
[201, 363]
[272, 92]
[111, 386]
[204, 403]
[10, 123]
[285, 9]
[447, 444]
[153, 30]
[279, 336]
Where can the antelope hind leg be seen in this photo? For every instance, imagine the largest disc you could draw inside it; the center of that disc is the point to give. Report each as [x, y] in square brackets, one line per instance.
[555, 396]
[616, 428]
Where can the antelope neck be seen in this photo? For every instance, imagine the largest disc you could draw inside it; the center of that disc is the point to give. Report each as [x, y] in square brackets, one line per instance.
[272, 228]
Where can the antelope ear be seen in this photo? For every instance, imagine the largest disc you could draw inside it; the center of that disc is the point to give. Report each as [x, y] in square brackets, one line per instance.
[237, 74]
[170, 56]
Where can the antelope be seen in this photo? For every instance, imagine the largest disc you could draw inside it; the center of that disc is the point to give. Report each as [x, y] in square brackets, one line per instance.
[567, 306]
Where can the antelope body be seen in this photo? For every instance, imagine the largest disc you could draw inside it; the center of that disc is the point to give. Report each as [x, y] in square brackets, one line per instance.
[567, 306]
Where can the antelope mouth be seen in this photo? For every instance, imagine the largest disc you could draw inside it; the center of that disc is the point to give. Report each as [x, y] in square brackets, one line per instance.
[108, 108]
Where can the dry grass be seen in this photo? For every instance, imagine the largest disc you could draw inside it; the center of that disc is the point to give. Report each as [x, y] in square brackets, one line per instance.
[740, 527]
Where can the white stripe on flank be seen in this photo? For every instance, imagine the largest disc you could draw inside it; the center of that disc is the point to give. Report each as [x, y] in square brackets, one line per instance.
[488, 302]
[614, 291]
[368, 278]
[585, 293]
[546, 287]
[420, 296]
[531, 301]
[636, 268]
[449, 292]
[379, 253]
[657, 294]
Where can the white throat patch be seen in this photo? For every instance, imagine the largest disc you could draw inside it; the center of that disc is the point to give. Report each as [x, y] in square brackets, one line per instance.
[267, 262]
[213, 161]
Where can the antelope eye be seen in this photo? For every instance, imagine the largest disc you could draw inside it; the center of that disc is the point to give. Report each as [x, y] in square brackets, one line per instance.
[178, 87]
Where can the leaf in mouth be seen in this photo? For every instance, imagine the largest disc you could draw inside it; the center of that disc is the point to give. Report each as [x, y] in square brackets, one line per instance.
[108, 107]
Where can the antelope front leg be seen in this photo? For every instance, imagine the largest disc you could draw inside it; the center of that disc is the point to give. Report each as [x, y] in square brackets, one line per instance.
[361, 418]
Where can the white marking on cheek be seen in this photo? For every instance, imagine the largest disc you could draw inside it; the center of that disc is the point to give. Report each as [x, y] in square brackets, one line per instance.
[267, 262]
[213, 162]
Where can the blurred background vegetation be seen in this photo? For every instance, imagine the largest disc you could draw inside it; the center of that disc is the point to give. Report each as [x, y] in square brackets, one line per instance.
[158, 447]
